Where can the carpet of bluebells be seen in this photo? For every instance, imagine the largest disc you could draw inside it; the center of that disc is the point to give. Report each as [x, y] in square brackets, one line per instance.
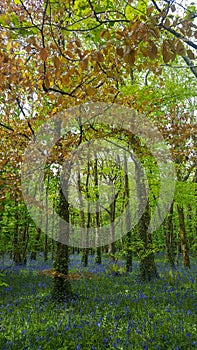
[107, 312]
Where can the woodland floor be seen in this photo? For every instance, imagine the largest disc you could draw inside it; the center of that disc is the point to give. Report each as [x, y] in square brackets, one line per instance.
[108, 311]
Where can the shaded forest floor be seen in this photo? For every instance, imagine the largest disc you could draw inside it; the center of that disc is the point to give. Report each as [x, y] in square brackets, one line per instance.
[108, 312]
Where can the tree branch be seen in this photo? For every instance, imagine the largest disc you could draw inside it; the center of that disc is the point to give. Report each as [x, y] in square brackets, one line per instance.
[179, 36]
[11, 129]
[190, 65]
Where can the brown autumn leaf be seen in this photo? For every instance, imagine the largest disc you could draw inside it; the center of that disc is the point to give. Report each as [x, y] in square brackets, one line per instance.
[90, 91]
[43, 54]
[152, 52]
[167, 22]
[120, 51]
[100, 57]
[180, 49]
[47, 82]
[190, 54]
[56, 61]
[28, 48]
[102, 33]
[130, 57]
[166, 52]
[84, 64]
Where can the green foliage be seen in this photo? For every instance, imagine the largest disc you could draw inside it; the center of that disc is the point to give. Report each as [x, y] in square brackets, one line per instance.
[117, 270]
[2, 282]
[185, 193]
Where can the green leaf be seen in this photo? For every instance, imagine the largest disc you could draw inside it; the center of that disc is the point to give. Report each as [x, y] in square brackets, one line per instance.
[130, 12]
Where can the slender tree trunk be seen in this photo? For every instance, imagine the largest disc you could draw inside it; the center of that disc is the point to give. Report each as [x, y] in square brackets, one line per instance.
[97, 238]
[16, 256]
[183, 237]
[129, 257]
[85, 250]
[112, 213]
[111, 250]
[36, 244]
[178, 248]
[24, 240]
[190, 226]
[169, 238]
[52, 233]
[46, 248]
[47, 222]
[84, 258]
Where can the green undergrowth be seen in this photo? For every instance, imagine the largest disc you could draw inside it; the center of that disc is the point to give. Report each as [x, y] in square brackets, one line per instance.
[108, 311]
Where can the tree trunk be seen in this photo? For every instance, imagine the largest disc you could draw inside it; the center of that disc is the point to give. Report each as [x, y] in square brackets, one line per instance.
[24, 240]
[47, 222]
[169, 238]
[148, 269]
[97, 238]
[36, 244]
[129, 258]
[16, 256]
[85, 250]
[183, 237]
[61, 284]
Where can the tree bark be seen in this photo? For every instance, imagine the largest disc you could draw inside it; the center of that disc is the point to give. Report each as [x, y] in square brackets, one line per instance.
[36, 244]
[129, 258]
[61, 284]
[169, 238]
[16, 256]
[97, 238]
[183, 237]
[147, 265]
